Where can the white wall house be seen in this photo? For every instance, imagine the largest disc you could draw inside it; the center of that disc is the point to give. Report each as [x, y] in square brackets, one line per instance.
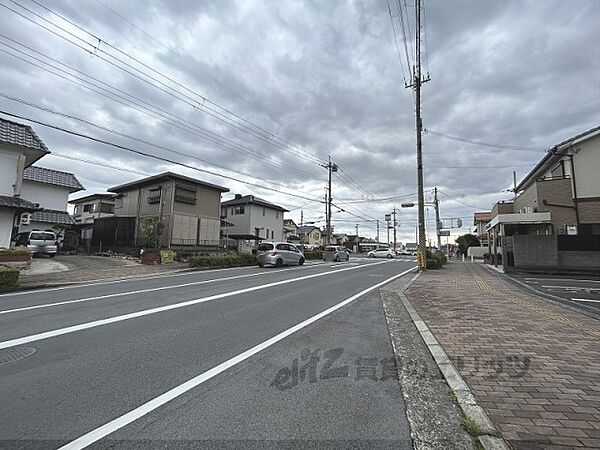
[50, 189]
[20, 147]
[253, 219]
[90, 208]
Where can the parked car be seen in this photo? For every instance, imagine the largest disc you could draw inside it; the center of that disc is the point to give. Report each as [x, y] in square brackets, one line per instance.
[278, 254]
[381, 253]
[38, 242]
[335, 253]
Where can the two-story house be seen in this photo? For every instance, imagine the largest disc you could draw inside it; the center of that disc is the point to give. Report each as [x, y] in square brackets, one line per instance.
[310, 235]
[559, 197]
[290, 230]
[480, 221]
[87, 210]
[50, 189]
[253, 220]
[185, 210]
[20, 147]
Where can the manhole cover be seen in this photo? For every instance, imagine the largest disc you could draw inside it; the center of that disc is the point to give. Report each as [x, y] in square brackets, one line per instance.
[15, 354]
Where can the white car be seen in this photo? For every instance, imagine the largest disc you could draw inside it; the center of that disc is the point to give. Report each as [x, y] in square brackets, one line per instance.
[381, 253]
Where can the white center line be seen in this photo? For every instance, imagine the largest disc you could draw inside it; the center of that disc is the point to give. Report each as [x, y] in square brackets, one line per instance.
[585, 300]
[142, 410]
[146, 312]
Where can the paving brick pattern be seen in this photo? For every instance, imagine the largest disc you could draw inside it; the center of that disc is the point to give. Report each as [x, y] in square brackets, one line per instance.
[533, 365]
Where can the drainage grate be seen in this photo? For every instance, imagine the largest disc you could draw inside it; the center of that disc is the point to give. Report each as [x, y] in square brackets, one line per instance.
[15, 354]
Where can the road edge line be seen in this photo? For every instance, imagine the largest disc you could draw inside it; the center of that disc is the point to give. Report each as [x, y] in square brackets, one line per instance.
[465, 398]
[110, 427]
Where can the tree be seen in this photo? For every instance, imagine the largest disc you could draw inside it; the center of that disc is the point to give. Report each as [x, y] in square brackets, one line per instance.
[465, 241]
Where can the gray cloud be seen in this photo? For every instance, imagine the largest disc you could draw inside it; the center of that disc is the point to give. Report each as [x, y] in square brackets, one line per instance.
[324, 76]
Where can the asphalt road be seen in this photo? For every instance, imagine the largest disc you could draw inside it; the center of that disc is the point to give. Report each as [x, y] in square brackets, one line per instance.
[293, 357]
[577, 291]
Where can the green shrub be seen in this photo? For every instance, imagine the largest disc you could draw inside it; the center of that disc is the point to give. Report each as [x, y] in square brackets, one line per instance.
[313, 254]
[435, 260]
[222, 260]
[15, 251]
[9, 277]
[433, 264]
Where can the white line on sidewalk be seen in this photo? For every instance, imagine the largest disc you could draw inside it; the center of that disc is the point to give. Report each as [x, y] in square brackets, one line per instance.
[571, 288]
[585, 300]
[139, 291]
[146, 408]
[146, 312]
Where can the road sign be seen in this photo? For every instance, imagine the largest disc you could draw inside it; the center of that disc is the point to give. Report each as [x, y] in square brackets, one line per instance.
[444, 233]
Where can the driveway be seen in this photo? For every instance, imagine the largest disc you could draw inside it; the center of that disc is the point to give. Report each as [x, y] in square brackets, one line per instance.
[580, 292]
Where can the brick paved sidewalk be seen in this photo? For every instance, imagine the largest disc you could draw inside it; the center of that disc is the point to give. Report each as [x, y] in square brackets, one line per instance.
[533, 366]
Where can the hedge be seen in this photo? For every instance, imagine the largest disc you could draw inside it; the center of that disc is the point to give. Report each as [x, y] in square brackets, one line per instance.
[9, 277]
[435, 260]
[222, 260]
[313, 254]
[15, 251]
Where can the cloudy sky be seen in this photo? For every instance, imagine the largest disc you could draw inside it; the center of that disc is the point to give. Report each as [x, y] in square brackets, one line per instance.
[262, 92]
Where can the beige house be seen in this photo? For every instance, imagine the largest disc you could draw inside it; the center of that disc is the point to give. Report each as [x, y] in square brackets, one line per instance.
[87, 210]
[186, 209]
[310, 235]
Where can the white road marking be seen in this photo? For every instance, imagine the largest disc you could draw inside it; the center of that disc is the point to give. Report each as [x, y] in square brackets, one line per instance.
[562, 279]
[125, 280]
[146, 312]
[573, 288]
[146, 408]
[585, 300]
[139, 291]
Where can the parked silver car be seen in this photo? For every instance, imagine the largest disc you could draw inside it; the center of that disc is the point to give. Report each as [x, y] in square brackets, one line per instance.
[38, 242]
[381, 253]
[278, 254]
[335, 253]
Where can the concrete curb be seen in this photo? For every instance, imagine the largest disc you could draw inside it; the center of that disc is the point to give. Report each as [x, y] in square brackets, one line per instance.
[581, 309]
[465, 398]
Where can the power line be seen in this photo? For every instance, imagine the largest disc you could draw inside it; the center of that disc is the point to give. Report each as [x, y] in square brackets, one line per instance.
[485, 144]
[149, 155]
[112, 131]
[155, 112]
[396, 42]
[95, 50]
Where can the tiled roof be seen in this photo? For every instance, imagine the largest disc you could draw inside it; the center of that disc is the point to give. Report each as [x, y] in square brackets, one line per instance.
[20, 134]
[50, 176]
[52, 216]
[485, 216]
[306, 229]
[251, 199]
[16, 203]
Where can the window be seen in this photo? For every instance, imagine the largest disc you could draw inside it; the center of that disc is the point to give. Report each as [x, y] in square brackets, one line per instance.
[265, 247]
[264, 210]
[238, 210]
[223, 213]
[107, 208]
[267, 234]
[272, 234]
[185, 194]
[558, 171]
[118, 202]
[276, 214]
[154, 195]
[90, 208]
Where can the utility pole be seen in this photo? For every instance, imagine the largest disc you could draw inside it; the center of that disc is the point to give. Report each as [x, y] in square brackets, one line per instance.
[356, 230]
[394, 218]
[417, 81]
[438, 225]
[515, 184]
[330, 168]
[378, 231]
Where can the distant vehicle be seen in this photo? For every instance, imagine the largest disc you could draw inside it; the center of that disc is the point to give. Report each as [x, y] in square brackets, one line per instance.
[404, 252]
[381, 253]
[278, 254]
[335, 253]
[38, 242]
